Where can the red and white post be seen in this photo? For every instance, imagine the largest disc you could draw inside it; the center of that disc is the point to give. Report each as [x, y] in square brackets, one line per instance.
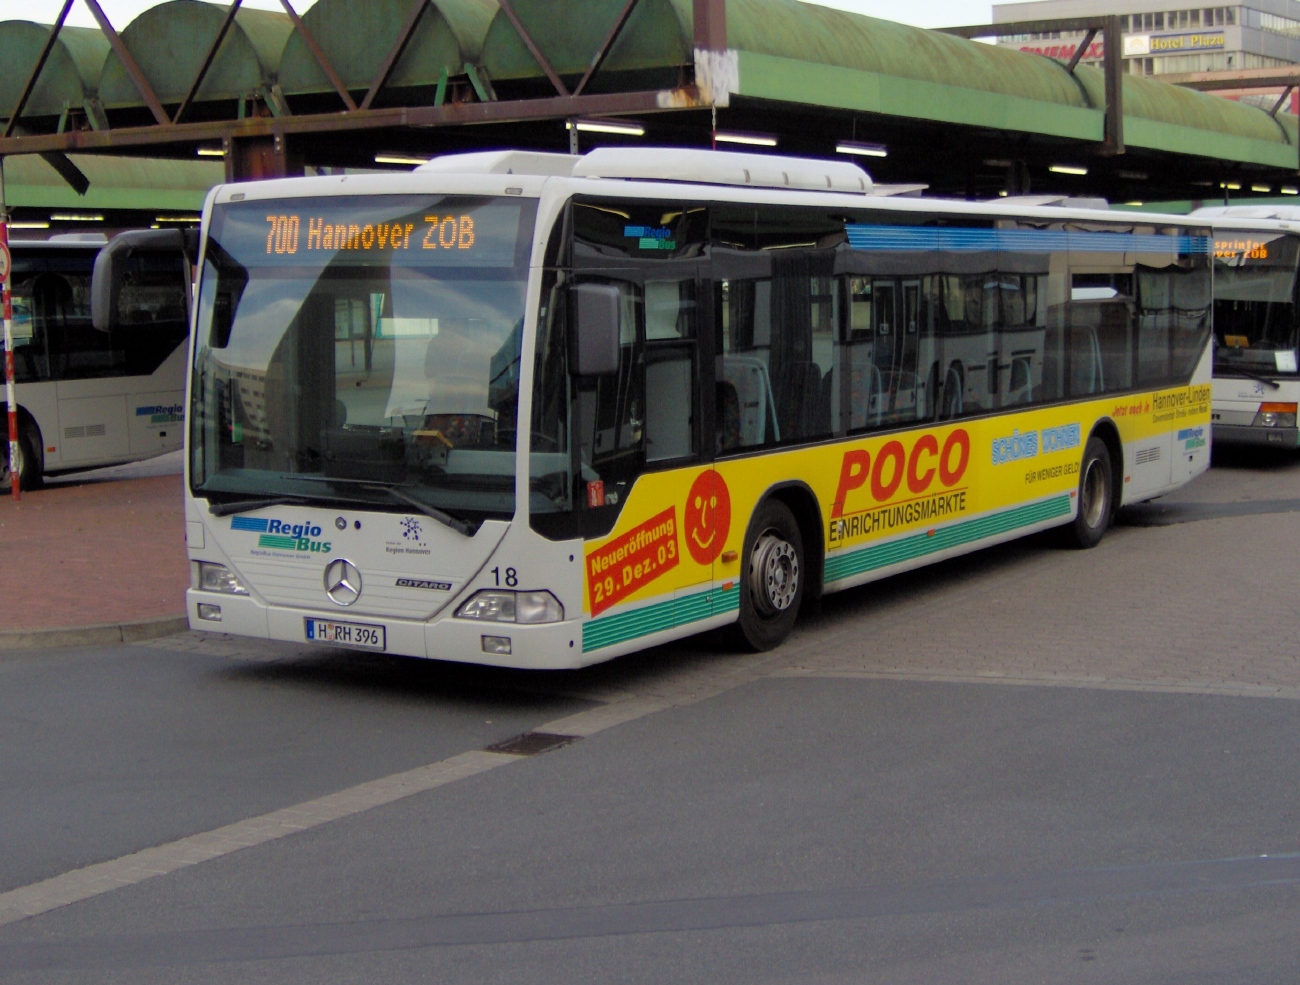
[11, 399]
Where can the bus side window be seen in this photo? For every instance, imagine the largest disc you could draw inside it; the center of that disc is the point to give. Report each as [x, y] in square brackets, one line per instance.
[152, 313]
[61, 311]
[865, 388]
[745, 398]
[31, 353]
[671, 311]
[610, 410]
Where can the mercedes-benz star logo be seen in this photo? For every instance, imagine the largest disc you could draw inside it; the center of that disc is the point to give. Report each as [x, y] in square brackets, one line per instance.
[342, 582]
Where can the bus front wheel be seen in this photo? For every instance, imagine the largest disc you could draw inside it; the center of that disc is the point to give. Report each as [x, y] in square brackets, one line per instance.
[1096, 495]
[772, 577]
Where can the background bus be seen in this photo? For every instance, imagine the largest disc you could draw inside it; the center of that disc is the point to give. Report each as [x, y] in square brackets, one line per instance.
[86, 397]
[1256, 322]
[540, 410]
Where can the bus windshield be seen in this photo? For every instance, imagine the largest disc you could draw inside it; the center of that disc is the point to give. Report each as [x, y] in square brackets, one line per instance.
[1254, 303]
[362, 350]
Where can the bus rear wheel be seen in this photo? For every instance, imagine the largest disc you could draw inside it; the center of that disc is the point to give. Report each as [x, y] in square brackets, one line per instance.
[772, 577]
[1096, 495]
[29, 462]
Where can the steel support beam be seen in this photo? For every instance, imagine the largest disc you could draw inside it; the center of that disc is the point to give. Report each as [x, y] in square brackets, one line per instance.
[260, 157]
[36, 71]
[452, 114]
[710, 25]
[531, 45]
[395, 52]
[207, 61]
[1249, 78]
[318, 53]
[1113, 71]
[601, 52]
[1281, 101]
[128, 63]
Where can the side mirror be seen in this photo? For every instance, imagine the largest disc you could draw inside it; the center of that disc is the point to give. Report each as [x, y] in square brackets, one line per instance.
[595, 336]
[155, 259]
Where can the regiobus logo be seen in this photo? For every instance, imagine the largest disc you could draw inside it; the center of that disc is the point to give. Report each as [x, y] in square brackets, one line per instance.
[895, 464]
[283, 536]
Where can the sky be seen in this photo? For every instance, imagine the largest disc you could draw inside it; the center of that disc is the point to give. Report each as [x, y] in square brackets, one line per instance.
[922, 13]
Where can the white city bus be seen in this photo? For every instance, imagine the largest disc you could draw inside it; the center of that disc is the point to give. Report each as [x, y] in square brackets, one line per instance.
[1256, 320]
[87, 397]
[540, 410]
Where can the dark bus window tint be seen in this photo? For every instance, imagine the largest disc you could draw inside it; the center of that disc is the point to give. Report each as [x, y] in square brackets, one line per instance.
[778, 310]
[31, 346]
[61, 309]
[1174, 313]
[151, 311]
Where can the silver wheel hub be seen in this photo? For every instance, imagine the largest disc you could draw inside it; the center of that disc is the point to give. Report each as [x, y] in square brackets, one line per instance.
[773, 574]
[1093, 495]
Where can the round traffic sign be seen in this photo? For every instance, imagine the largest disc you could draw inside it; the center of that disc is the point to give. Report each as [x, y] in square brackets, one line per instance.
[5, 261]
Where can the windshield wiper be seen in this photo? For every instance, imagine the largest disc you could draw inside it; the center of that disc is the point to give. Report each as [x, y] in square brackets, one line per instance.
[1257, 378]
[456, 524]
[248, 505]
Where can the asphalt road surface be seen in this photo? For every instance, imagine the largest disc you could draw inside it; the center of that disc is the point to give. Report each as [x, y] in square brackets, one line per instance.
[1028, 765]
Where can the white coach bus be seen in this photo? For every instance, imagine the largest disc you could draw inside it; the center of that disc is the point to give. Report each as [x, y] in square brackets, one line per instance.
[1256, 323]
[87, 396]
[542, 410]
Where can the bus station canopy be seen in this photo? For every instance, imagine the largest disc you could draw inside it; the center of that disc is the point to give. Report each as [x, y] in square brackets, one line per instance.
[352, 78]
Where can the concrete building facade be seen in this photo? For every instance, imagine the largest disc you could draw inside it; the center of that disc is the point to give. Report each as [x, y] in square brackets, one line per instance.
[1163, 37]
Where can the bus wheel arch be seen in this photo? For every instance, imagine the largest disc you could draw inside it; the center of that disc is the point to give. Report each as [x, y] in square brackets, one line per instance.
[783, 540]
[1101, 485]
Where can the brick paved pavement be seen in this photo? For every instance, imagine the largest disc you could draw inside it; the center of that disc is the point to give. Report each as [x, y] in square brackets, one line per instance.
[93, 553]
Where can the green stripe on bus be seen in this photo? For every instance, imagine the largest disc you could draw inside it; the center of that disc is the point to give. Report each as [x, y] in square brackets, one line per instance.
[624, 626]
[278, 543]
[917, 545]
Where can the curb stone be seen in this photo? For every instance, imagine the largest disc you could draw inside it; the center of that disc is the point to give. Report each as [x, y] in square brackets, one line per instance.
[16, 641]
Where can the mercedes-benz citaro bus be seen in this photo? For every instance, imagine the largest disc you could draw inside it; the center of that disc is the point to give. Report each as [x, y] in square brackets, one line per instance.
[541, 410]
[1256, 378]
[89, 396]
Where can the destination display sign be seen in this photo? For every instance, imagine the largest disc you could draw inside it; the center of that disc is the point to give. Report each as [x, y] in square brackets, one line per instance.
[375, 231]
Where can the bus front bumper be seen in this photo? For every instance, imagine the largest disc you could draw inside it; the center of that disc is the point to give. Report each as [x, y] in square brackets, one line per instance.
[545, 646]
[1246, 434]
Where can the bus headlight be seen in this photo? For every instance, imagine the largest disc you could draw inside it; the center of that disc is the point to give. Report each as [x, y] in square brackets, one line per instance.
[494, 605]
[1275, 416]
[219, 578]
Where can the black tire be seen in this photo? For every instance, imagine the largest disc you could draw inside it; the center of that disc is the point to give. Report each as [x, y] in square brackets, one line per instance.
[1096, 496]
[773, 576]
[29, 462]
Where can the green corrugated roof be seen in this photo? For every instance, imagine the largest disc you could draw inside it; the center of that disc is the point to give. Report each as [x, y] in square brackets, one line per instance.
[169, 42]
[803, 53]
[70, 74]
[115, 183]
[450, 34]
[785, 50]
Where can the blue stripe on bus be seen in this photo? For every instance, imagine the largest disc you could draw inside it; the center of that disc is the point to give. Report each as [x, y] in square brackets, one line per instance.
[913, 238]
[249, 523]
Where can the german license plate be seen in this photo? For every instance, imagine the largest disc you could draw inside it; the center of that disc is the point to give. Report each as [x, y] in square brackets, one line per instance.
[345, 634]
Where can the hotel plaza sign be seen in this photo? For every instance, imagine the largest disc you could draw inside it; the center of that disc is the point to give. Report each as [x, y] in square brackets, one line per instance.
[1172, 44]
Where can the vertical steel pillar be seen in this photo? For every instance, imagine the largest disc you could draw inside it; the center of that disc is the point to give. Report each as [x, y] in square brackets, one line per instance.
[258, 158]
[11, 398]
[1113, 70]
[710, 25]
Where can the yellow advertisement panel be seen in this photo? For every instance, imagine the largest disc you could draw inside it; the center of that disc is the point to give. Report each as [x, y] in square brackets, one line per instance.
[885, 502]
